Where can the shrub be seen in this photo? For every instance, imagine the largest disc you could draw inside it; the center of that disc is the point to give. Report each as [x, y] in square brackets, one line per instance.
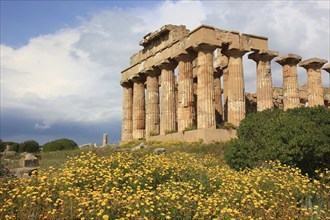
[299, 137]
[60, 144]
[13, 146]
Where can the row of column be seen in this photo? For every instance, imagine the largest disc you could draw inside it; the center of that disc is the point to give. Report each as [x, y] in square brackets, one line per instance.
[149, 117]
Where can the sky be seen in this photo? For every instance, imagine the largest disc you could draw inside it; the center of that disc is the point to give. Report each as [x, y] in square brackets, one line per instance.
[61, 60]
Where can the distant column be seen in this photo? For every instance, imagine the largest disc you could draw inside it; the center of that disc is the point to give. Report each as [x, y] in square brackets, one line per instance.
[236, 96]
[205, 89]
[152, 103]
[264, 78]
[105, 139]
[168, 115]
[185, 91]
[138, 109]
[290, 80]
[314, 80]
[127, 116]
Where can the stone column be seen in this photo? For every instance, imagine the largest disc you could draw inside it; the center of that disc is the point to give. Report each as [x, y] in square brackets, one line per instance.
[138, 108]
[127, 115]
[314, 80]
[185, 91]
[326, 67]
[264, 78]
[105, 139]
[152, 103]
[167, 116]
[218, 96]
[236, 96]
[205, 89]
[290, 80]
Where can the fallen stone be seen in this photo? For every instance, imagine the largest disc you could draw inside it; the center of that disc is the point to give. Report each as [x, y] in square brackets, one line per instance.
[160, 150]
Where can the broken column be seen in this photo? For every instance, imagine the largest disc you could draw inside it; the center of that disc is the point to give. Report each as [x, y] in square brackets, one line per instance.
[185, 91]
[152, 103]
[105, 139]
[167, 116]
[290, 80]
[236, 96]
[127, 116]
[314, 80]
[205, 87]
[138, 108]
[264, 78]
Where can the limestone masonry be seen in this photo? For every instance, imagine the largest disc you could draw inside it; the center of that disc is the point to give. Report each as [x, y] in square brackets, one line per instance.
[158, 105]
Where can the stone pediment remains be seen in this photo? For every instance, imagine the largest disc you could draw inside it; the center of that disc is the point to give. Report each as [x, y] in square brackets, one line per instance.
[209, 86]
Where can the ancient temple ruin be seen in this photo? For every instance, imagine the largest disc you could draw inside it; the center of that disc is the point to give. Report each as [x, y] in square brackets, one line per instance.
[157, 103]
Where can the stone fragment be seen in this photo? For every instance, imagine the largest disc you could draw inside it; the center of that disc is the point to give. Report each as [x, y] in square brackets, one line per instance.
[160, 150]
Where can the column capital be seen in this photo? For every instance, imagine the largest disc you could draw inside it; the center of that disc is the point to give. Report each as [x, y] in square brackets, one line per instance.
[166, 64]
[312, 63]
[326, 67]
[185, 56]
[198, 46]
[138, 79]
[126, 84]
[290, 58]
[234, 52]
[263, 55]
[151, 71]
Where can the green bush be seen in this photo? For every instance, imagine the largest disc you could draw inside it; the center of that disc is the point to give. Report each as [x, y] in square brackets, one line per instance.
[298, 137]
[13, 146]
[29, 146]
[60, 144]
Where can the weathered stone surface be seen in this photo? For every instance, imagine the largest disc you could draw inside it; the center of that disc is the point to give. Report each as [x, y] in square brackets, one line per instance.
[127, 115]
[264, 78]
[138, 109]
[314, 80]
[205, 87]
[236, 98]
[105, 139]
[168, 108]
[290, 80]
[152, 103]
[185, 91]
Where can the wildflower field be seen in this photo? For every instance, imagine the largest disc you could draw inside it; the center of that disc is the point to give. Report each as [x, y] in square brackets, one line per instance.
[174, 185]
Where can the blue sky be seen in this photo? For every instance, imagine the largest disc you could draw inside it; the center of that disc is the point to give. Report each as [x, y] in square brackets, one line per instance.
[61, 60]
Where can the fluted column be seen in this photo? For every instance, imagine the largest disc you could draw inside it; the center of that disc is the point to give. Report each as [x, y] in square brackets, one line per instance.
[236, 97]
[205, 87]
[185, 91]
[152, 103]
[127, 115]
[138, 109]
[290, 80]
[167, 109]
[264, 78]
[314, 80]
[218, 96]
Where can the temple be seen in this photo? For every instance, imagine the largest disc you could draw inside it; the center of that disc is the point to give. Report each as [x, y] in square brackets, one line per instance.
[184, 84]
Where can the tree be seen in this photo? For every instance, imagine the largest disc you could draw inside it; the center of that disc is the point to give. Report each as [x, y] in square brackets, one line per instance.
[60, 144]
[29, 146]
[299, 137]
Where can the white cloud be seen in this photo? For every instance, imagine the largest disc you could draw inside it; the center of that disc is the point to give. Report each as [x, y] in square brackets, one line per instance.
[73, 74]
